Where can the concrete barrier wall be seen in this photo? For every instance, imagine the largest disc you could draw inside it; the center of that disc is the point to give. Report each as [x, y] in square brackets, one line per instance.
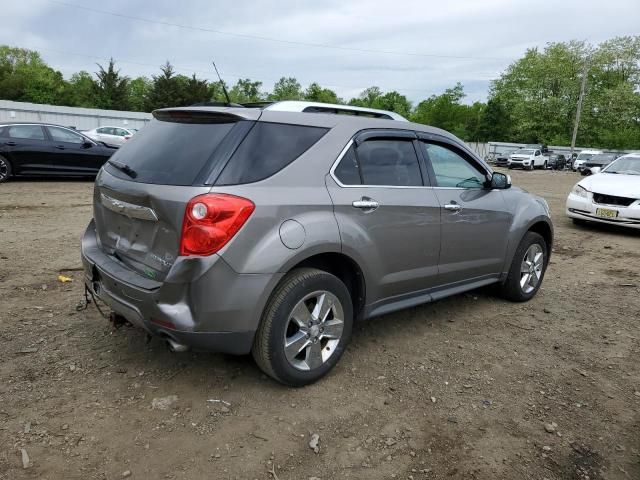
[79, 118]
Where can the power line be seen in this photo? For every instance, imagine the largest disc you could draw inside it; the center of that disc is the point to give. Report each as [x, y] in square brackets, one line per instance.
[277, 40]
[210, 73]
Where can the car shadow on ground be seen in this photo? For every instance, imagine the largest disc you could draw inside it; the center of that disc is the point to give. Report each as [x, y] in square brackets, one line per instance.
[594, 227]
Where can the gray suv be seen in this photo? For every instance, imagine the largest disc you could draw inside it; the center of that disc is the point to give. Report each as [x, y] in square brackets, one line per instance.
[271, 230]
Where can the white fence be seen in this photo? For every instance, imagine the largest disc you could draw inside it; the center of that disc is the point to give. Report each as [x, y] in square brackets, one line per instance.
[79, 118]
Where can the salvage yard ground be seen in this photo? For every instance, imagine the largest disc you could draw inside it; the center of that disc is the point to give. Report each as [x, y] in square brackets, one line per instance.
[471, 387]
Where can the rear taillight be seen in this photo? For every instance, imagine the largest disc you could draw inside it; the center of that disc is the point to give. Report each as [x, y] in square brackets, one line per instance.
[211, 220]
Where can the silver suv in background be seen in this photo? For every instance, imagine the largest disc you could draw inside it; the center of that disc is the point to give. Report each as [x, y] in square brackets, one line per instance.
[270, 230]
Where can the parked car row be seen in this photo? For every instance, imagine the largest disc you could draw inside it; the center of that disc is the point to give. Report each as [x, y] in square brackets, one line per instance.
[539, 156]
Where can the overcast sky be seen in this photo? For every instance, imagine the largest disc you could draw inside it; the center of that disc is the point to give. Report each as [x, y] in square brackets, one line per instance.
[433, 44]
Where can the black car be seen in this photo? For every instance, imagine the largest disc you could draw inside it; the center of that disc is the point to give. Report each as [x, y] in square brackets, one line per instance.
[599, 160]
[556, 161]
[40, 149]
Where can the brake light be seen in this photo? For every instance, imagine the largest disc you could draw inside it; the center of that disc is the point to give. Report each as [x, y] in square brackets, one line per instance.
[211, 220]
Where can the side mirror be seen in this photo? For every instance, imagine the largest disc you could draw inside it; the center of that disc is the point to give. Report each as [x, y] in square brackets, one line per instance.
[87, 144]
[595, 170]
[500, 181]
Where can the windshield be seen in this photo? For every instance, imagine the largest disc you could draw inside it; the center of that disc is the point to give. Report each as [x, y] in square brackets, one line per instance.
[585, 156]
[525, 151]
[625, 166]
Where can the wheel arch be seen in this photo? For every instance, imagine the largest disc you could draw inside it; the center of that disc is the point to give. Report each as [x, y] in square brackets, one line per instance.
[343, 267]
[544, 229]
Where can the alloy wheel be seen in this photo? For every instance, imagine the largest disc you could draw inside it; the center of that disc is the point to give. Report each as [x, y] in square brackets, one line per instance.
[314, 329]
[531, 268]
[4, 169]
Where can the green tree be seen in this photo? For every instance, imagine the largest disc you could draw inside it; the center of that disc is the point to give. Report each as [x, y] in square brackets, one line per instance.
[111, 89]
[395, 102]
[245, 90]
[216, 93]
[139, 89]
[165, 89]
[286, 89]
[25, 77]
[539, 94]
[79, 91]
[495, 122]
[315, 93]
[195, 90]
[368, 98]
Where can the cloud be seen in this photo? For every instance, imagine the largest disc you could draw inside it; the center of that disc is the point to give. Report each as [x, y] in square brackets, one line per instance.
[492, 32]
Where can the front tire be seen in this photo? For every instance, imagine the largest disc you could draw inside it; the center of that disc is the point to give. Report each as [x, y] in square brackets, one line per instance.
[527, 269]
[5, 169]
[305, 327]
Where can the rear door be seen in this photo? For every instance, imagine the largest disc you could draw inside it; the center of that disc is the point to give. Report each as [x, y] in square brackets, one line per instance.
[388, 215]
[475, 220]
[72, 154]
[28, 149]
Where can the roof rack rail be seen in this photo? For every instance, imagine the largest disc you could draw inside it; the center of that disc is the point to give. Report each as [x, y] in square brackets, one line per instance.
[336, 109]
[256, 104]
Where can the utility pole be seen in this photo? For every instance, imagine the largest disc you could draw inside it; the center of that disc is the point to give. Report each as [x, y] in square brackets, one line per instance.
[576, 123]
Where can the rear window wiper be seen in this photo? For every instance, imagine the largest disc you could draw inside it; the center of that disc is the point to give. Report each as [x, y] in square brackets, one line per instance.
[123, 168]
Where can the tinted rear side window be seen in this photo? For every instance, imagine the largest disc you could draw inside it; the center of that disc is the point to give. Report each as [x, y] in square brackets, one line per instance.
[267, 149]
[29, 132]
[389, 162]
[170, 153]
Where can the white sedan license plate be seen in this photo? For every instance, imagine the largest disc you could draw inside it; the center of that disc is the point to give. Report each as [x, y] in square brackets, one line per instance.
[606, 213]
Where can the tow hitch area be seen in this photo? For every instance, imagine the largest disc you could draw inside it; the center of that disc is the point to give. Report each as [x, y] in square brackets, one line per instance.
[118, 321]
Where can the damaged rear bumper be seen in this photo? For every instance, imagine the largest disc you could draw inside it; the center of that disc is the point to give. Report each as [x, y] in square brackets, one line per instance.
[202, 303]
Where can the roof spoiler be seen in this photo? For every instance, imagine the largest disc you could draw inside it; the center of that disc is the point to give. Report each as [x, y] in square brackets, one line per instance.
[195, 115]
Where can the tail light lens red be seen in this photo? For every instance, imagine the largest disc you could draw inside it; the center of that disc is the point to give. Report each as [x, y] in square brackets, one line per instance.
[211, 220]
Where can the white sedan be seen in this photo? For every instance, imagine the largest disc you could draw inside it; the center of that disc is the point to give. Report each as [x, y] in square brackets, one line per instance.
[611, 196]
[114, 136]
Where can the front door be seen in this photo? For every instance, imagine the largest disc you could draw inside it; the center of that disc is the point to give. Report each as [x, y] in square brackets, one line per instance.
[475, 219]
[388, 216]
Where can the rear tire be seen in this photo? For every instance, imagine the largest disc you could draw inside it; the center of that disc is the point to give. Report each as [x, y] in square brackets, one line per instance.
[527, 269]
[301, 335]
[5, 169]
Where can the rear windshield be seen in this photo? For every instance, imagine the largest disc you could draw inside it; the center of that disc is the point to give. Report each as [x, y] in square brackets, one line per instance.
[170, 153]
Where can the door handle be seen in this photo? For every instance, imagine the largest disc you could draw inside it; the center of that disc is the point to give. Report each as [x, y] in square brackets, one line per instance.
[11, 144]
[60, 147]
[453, 207]
[366, 203]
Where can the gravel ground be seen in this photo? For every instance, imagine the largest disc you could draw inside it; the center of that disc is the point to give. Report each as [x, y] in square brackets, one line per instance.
[470, 387]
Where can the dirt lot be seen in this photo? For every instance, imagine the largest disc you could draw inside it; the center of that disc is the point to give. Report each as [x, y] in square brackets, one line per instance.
[461, 388]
